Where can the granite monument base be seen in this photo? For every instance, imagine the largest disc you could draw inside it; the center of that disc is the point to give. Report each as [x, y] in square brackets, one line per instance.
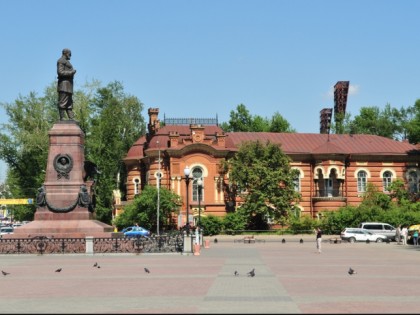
[62, 229]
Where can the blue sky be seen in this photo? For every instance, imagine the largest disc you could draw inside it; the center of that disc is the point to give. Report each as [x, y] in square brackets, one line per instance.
[192, 58]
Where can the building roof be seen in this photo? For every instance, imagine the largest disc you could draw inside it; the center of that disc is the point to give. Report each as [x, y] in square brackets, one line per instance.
[291, 143]
[314, 143]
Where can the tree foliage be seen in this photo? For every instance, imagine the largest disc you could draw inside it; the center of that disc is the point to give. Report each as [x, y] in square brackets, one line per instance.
[143, 209]
[24, 144]
[413, 124]
[242, 120]
[388, 122]
[115, 124]
[262, 171]
[110, 119]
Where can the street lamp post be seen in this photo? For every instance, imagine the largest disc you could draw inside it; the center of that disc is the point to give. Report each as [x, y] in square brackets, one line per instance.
[158, 191]
[187, 182]
[199, 188]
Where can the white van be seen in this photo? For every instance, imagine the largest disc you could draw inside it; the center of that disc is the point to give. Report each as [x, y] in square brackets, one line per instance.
[380, 228]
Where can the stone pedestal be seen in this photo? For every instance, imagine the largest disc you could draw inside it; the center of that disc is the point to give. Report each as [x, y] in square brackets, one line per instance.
[63, 206]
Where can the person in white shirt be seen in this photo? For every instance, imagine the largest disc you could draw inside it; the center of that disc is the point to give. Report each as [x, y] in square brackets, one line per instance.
[404, 235]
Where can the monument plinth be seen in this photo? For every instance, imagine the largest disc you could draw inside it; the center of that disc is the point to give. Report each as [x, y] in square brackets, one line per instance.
[65, 205]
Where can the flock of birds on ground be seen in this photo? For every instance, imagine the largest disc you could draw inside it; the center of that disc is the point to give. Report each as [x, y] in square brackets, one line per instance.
[95, 265]
[146, 270]
[236, 273]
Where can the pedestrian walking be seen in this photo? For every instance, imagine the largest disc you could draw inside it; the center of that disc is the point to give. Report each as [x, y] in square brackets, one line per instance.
[318, 232]
[398, 234]
[415, 237]
[404, 235]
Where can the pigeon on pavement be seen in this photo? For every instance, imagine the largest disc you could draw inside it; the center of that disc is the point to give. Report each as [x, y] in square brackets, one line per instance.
[236, 273]
[351, 271]
[251, 273]
[5, 273]
[59, 270]
[147, 270]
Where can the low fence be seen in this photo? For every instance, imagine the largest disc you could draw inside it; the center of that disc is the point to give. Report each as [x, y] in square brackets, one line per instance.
[172, 243]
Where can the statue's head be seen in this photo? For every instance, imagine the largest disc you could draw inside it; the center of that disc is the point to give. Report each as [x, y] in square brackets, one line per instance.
[67, 52]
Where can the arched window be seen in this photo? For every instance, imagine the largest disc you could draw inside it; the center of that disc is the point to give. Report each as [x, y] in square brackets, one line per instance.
[361, 181]
[386, 180]
[413, 182]
[136, 182]
[197, 173]
[296, 182]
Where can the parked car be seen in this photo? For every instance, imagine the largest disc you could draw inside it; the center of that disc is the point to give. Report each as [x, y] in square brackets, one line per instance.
[134, 231]
[361, 235]
[380, 228]
[6, 230]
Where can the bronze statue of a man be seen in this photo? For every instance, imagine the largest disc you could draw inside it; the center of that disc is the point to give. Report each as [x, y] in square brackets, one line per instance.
[65, 74]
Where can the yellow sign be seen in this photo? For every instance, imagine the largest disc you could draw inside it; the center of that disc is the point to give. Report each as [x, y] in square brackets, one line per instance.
[16, 201]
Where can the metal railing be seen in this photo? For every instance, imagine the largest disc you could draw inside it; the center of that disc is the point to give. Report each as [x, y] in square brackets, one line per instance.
[170, 243]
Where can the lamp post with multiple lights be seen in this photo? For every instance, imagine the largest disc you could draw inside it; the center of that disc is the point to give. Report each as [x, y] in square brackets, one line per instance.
[158, 191]
[187, 179]
[199, 188]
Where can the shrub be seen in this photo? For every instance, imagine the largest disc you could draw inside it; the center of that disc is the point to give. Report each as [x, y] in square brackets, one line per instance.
[211, 225]
[233, 222]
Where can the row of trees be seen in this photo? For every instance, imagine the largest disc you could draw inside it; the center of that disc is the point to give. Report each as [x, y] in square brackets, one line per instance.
[112, 122]
[389, 122]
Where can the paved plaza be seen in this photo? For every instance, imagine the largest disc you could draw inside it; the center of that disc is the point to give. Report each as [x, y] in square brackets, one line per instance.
[290, 277]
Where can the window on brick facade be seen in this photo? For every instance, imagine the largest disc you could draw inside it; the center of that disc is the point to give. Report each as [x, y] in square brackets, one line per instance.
[361, 181]
[136, 182]
[413, 182]
[197, 173]
[386, 180]
[296, 182]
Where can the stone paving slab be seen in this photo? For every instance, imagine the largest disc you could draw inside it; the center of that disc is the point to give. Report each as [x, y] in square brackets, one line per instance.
[290, 277]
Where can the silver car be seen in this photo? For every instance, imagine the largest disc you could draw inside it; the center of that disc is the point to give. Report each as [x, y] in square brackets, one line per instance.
[361, 235]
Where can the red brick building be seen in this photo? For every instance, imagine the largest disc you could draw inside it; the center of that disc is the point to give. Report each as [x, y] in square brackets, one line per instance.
[334, 168]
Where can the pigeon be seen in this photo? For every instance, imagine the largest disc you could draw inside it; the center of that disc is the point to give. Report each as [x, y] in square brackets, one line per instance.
[351, 271]
[146, 270]
[5, 273]
[215, 240]
[301, 241]
[59, 270]
[283, 240]
[95, 264]
[251, 273]
[236, 273]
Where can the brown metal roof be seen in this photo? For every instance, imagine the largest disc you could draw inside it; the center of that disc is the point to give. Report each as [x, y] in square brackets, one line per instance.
[313, 143]
[291, 143]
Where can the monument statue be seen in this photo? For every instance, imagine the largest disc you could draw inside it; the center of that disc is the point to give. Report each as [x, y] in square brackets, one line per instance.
[65, 203]
[65, 74]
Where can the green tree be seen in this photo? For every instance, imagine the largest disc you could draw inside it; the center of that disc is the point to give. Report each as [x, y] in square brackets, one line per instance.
[262, 171]
[234, 221]
[110, 119]
[24, 144]
[413, 125]
[389, 122]
[143, 209]
[242, 120]
[115, 124]
[280, 124]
